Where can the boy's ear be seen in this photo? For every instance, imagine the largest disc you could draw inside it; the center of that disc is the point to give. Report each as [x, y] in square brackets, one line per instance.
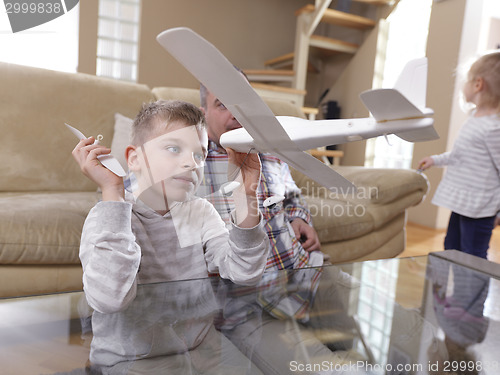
[132, 158]
[202, 109]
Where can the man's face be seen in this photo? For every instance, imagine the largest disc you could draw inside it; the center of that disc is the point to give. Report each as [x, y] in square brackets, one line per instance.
[219, 119]
[170, 166]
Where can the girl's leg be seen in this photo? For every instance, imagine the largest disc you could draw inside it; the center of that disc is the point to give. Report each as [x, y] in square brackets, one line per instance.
[476, 235]
[452, 239]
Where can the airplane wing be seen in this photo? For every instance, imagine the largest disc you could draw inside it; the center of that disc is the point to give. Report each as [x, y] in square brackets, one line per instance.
[204, 61]
[211, 68]
[318, 171]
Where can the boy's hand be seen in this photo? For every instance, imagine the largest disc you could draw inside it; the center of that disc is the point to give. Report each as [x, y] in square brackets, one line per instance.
[249, 174]
[425, 163]
[245, 197]
[85, 154]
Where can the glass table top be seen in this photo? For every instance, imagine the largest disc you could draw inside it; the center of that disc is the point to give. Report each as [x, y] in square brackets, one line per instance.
[438, 314]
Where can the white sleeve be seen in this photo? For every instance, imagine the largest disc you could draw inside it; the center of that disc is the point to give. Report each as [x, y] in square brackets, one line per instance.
[492, 141]
[441, 159]
[239, 255]
[110, 257]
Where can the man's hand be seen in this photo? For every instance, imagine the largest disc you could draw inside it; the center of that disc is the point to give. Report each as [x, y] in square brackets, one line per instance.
[306, 235]
[85, 154]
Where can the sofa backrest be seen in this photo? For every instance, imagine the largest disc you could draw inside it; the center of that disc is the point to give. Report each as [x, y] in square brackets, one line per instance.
[279, 107]
[36, 146]
[36, 150]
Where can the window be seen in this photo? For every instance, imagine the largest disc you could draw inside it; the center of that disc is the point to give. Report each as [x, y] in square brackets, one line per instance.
[118, 39]
[375, 310]
[406, 40]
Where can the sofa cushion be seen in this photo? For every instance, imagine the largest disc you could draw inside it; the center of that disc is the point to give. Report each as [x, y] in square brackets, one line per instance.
[374, 185]
[337, 220]
[24, 280]
[37, 155]
[382, 194]
[384, 242]
[383, 185]
[42, 228]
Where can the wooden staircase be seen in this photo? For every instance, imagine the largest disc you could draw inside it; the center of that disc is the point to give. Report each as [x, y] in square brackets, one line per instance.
[285, 76]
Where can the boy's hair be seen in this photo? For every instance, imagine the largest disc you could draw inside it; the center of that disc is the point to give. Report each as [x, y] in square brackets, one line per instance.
[488, 68]
[157, 116]
[204, 91]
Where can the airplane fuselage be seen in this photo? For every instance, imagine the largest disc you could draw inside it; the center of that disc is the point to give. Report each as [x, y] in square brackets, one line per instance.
[305, 134]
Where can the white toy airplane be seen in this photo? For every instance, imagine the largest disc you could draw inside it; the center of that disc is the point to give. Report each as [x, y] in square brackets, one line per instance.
[396, 111]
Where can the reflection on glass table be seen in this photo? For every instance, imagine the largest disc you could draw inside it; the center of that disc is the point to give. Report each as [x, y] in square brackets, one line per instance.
[427, 315]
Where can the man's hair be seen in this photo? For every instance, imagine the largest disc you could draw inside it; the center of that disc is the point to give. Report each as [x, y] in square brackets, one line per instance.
[488, 68]
[157, 116]
[204, 90]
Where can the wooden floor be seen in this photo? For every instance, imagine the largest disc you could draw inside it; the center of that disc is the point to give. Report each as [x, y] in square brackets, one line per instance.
[422, 240]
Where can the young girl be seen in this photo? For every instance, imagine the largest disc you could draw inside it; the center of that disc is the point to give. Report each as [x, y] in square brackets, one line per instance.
[471, 185]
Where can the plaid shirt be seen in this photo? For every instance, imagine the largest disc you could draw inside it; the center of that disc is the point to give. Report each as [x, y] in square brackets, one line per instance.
[286, 251]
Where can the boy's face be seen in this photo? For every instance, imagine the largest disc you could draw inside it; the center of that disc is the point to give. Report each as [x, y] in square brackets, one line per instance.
[169, 167]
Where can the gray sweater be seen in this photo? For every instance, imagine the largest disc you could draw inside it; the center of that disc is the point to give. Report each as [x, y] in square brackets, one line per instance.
[125, 244]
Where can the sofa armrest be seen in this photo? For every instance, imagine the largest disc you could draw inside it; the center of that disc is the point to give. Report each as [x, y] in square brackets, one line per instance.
[374, 185]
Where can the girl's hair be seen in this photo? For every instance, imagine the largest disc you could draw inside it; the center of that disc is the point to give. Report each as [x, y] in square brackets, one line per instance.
[155, 117]
[488, 68]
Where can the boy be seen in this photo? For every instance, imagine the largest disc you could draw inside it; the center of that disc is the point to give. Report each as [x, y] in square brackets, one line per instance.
[163, 232]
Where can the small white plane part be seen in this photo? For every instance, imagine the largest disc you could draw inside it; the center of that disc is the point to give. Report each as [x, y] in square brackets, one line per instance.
[108, 161]
[273, 200]
[229, 187]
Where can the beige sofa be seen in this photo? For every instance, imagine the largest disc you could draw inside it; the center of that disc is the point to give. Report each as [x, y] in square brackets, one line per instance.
[44, 198]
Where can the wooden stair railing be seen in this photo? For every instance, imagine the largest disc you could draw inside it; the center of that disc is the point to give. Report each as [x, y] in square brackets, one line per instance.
[291, 70]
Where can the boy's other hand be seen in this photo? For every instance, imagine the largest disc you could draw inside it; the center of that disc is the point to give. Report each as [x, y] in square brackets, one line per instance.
[249, 174]
[85, 153]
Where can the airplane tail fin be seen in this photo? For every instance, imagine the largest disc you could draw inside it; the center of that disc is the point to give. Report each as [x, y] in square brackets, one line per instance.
[405, 100]
[412, 82]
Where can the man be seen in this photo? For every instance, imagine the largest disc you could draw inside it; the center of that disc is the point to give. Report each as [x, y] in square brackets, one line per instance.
[294, 242]
[256, 321]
